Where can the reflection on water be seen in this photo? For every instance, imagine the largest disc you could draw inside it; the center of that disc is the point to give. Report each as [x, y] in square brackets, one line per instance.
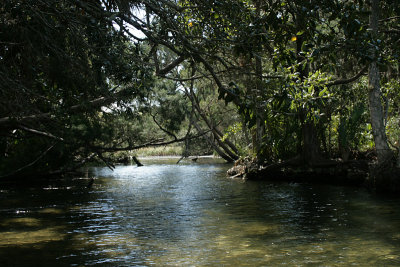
[190, 214]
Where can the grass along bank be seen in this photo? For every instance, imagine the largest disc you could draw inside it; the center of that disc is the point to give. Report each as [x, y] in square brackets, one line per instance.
[159, 151]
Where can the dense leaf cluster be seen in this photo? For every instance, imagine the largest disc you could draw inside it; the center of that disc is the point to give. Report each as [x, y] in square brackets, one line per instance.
[60, 61]
[82, 78]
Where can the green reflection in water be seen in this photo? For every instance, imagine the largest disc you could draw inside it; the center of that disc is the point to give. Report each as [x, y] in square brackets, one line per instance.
[165, 214]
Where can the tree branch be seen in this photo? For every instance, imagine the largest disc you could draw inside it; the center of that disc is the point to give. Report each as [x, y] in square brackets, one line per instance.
[162, 128]
[29, 164]
[108, 164]
[350, 80]
[49, 135]
[170, 66]
[98, 102]
[150, 144]
[390, 18]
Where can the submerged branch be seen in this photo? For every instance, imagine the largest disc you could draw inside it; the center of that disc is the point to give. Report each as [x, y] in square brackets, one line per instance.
[138, 163]
[106, 161]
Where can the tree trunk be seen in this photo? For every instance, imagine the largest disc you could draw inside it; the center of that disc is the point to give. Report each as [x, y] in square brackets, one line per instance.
[216, 133]
[138, 163]
[375, 104]
[260, 125]
[311, 153]
[398, 159]
[227, 141]
[230, 152]
[214, 146]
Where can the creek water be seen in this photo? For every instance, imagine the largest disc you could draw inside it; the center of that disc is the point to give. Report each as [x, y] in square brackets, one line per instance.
[191, 214]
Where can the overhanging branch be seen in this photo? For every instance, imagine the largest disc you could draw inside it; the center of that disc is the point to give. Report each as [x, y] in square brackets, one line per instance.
[162, 128]
[48, 135]
[98, 102]
[29, 164]
[350, 80]
[155, 143]
[170, 66]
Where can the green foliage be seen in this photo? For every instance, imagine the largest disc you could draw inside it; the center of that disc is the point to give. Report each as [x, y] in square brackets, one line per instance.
[391, 90]
[59, 62]
[169, 105]
[351, 128]
[237, 132]
[76, 82]
[310, 93]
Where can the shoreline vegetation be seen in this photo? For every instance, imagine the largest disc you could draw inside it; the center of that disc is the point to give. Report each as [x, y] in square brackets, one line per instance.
[302, 90]
[165, 152]
[159, 151]
[361, 173]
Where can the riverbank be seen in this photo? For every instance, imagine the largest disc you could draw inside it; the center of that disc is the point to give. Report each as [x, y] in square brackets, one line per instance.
[361, 173]
[176, 159]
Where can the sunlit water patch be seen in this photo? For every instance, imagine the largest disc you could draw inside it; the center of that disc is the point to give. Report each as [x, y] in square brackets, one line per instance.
[164, 214]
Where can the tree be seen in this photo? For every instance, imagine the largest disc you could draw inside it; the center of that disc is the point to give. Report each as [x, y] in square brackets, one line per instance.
[289, 77]
[61, 63]
[375, 103]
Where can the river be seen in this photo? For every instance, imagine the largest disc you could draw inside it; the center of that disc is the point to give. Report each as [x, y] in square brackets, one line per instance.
[191, 214]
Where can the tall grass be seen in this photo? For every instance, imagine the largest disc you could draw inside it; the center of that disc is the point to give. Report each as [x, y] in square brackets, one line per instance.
[159, 151]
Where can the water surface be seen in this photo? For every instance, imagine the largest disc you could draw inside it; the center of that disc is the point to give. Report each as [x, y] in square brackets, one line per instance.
[164, 214]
